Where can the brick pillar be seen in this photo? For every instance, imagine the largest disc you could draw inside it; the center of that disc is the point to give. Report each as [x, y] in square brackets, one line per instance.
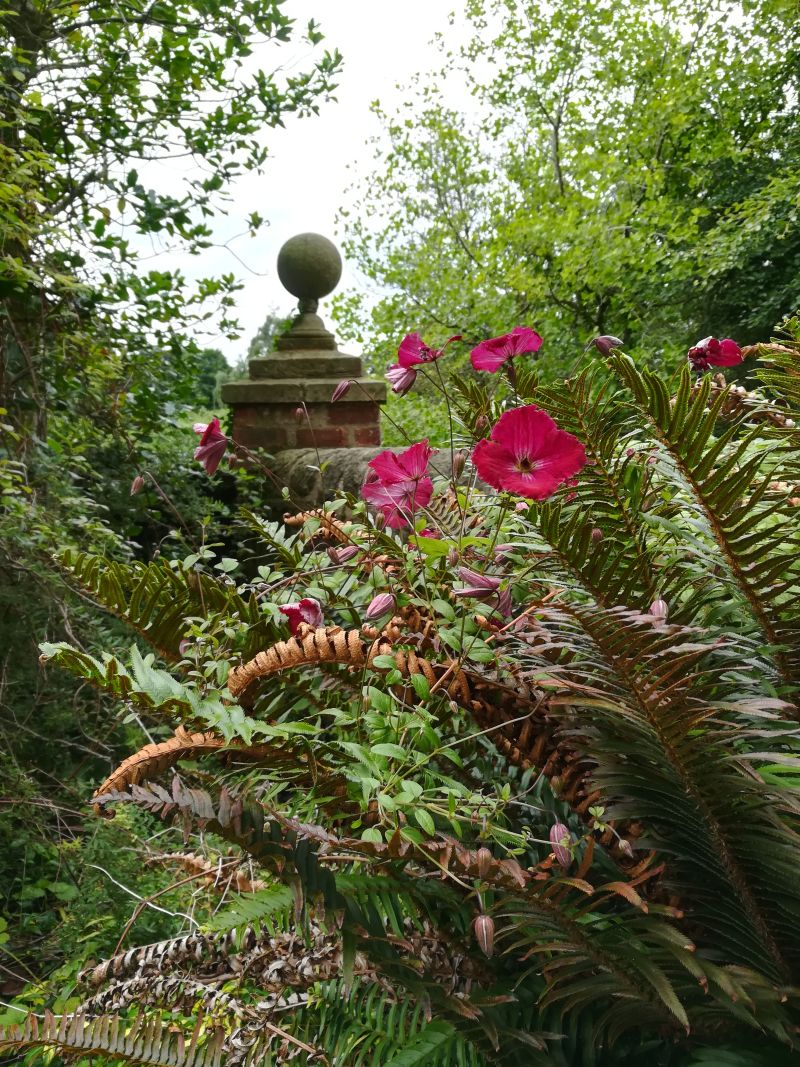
[305, 369]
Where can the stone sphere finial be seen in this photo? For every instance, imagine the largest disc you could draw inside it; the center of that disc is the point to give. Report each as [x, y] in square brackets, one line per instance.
[309, 266]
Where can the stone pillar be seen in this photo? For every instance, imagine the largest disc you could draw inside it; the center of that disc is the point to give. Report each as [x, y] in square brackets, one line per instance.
[305, 369]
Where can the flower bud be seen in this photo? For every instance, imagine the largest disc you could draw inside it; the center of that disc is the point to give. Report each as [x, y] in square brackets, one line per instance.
[484, 934]
[626, 848]
[341, 390]
[459, 461]
[481, 422]
[137, 485]
[630, 453]
[597, 534]
[659, 609]
[299, 414]
[184, 646]
[559, 839]
[484, 861]
[604, 343]
[380, 605]
[341, 555]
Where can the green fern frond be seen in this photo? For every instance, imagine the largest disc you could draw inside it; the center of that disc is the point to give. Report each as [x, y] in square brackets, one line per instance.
[250, 909]
[757, 540]
[156, 599]
[666, 755]
[148, 1041]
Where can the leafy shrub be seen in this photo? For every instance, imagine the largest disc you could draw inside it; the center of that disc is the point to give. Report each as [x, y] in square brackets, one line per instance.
[514, 768]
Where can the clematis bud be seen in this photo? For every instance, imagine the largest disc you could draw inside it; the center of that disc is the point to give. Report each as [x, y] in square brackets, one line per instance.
[597, 534]
[299, 414]
[604, 343]
[459, 460]
[659, 609]
[484, 861]
[478, 585]
[341, 390]
[625, 847]
[504, 602]
[560, 838]
[380, 605]
[401, 378]
[342, 555]
[137, 485]
[484, 934]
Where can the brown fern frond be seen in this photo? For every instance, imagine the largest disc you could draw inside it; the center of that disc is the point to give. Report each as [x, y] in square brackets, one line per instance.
[208, 949]
[516, 718]
[329, 525]
[153, 759]
[741, 402]
[221, 876]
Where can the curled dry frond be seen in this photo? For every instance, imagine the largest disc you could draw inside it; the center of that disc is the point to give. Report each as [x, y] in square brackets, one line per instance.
[221, 875]
[514, 716]
[154, 759]
[329, 525]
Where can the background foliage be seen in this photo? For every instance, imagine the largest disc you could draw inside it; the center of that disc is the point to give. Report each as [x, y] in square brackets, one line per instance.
[101, 364]
[625, 168]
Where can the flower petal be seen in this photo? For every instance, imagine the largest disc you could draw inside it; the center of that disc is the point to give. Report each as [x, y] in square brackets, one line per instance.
[414, 460]
[401, 378]
[410, 351]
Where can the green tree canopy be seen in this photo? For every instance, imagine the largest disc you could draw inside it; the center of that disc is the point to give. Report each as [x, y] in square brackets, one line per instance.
[91, 98]
[632, 168]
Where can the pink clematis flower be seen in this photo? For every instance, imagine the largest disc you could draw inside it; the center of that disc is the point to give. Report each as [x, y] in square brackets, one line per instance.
[397, 483]
[307, 610]
[412, 352]
[491, 355]
[713, 353]
[528, 454]
[213, 444]
[401, 378]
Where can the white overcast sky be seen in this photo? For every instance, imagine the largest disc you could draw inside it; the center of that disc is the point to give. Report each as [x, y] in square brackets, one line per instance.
[313, 160]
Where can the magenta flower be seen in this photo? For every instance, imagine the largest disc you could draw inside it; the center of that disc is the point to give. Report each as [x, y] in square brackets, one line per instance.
[397, 483]
[410, 354]
[213, 444]
[528, 454]
[307, 610]
[401, 378]
[491, 355]
[713, 353]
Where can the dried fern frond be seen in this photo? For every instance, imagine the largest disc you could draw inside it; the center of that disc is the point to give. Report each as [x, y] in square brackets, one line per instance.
[154, 759]
[329, 525]
[221, 876]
